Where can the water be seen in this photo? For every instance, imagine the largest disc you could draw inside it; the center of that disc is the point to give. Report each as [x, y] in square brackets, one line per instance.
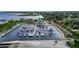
[12, 35]
[13, 16]
[7, 16]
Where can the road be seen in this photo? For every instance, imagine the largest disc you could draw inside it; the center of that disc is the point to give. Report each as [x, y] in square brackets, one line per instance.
[37, 44]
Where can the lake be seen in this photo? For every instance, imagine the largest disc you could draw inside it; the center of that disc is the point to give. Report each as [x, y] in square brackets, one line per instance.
[12, 15]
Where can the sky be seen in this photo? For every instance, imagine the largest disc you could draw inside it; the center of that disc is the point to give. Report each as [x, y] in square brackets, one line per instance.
[39, 5]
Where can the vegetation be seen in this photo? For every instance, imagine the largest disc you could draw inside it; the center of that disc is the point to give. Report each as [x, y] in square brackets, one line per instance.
[68, 21]
[75, 45]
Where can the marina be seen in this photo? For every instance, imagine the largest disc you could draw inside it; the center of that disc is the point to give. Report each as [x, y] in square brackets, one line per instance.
[31, 32]
[41, 30]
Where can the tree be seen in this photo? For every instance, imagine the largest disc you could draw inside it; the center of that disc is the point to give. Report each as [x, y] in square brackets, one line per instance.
[75, 23]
